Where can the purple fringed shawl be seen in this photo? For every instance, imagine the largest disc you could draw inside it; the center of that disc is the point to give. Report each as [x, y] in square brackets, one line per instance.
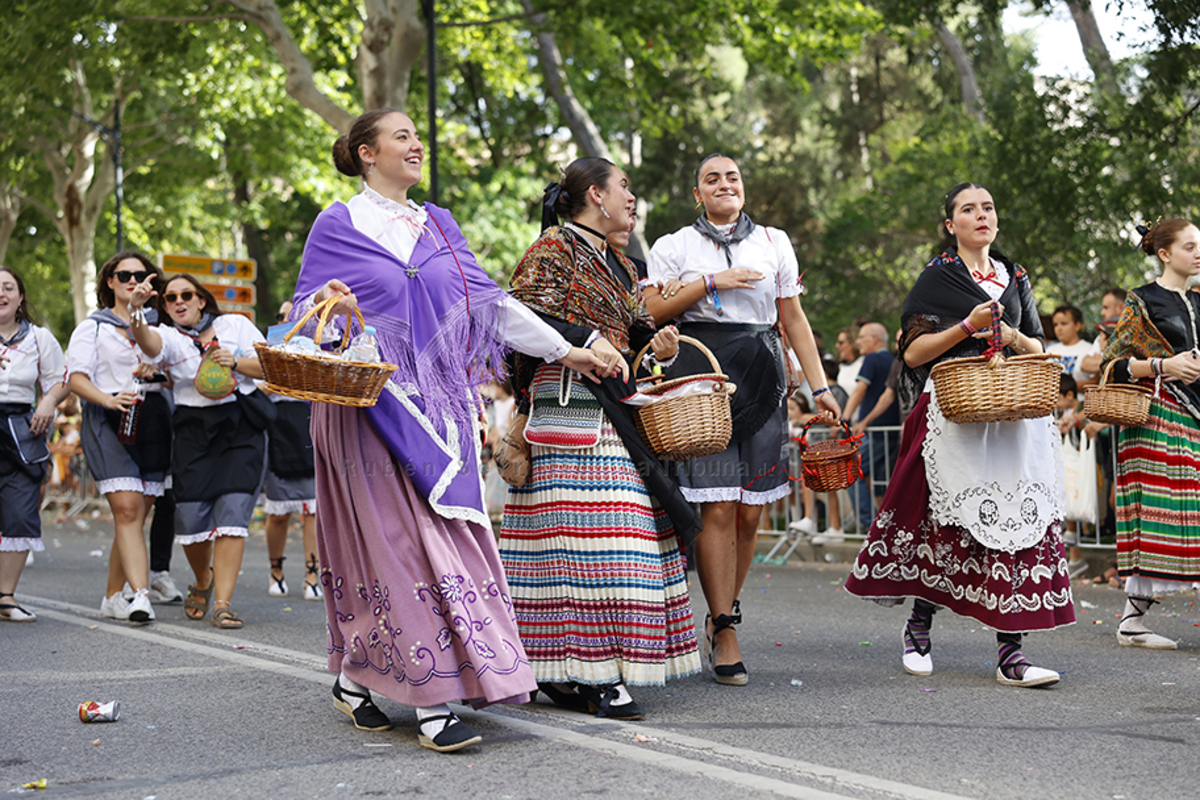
[439, 319]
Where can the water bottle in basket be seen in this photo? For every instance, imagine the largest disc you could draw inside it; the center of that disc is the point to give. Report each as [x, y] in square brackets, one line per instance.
[363, 347]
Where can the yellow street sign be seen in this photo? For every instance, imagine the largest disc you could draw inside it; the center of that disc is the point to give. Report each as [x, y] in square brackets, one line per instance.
[174, 264]
[238, 295]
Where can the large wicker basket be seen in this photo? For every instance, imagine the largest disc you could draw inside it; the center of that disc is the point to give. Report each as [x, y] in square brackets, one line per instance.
[992, 388]
[830, 464]
[323, 378]
[691, 426]
[1120, 404]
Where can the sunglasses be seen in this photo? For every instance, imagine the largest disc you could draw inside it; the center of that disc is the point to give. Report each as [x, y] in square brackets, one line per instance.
[186, 296]
[123, 276]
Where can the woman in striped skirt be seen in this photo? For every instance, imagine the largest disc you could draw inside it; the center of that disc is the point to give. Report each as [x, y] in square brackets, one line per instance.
[589, 542]
[1158, 464]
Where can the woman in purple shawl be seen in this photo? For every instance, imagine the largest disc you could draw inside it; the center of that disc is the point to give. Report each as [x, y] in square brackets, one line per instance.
[417, 603]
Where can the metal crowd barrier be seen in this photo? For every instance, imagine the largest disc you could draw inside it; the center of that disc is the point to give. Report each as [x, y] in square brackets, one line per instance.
[780, 516]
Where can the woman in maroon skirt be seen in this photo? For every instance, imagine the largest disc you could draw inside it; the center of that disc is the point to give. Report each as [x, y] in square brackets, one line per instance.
[972, 519]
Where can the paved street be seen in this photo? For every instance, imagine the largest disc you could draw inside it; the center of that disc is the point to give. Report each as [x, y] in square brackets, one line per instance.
[828, 713]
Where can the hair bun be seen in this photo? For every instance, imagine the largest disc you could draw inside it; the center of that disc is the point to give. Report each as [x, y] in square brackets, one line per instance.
[343, 159]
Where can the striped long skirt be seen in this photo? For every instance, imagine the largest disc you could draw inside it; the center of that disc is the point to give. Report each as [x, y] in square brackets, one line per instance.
[597, 580]
[1158, 495]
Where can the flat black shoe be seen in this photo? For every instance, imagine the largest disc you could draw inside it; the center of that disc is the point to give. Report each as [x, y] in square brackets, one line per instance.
[571, 701]
[455, 734]
[600, 702]
[367, 717]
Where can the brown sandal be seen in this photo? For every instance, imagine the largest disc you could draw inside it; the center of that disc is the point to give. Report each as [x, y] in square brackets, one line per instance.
[192, 605]
[225, 618]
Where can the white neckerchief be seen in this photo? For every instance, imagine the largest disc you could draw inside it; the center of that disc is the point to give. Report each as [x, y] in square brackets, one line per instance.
[412, 215]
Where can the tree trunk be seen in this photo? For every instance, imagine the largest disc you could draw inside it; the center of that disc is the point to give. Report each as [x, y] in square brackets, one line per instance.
[392, 38]
[585, 132]
[971, 97]
[1094, 48]
[81, 189]
[300, 83]
[10, 210]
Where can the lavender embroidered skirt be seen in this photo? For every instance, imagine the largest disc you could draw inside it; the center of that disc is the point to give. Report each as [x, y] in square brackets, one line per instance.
[418, 607]
[907, 554]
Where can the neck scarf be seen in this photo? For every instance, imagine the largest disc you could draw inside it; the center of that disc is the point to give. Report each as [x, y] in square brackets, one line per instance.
[206, 321]
[743, 228]
[23, 328]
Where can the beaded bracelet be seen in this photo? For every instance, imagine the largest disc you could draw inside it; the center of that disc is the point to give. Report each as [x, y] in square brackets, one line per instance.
[1156, 366]
[818, 392]
[967, 328]
[710, 282]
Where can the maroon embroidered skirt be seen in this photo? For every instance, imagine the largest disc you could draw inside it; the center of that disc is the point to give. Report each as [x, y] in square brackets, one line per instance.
[907, 554]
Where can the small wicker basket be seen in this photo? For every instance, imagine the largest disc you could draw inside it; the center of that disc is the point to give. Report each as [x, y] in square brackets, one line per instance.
[1120, 404]
[830, 464]
[322, 378]
[691, 426]
[992, 388]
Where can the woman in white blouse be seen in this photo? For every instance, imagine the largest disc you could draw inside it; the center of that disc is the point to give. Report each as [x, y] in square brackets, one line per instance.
[30, 358]
[728, 280]
[220, 445]
[104, 362]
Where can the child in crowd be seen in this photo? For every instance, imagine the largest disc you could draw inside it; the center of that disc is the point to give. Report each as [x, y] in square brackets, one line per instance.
[1070, 423]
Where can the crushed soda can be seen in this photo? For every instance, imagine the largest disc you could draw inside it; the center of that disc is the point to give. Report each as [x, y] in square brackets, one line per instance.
[100, 712]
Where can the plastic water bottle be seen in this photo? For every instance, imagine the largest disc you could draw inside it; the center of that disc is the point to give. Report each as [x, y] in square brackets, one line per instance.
[363, 347]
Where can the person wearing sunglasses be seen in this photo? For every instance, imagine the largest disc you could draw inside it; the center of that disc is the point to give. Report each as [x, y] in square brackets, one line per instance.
[219, 422]
[103, 365]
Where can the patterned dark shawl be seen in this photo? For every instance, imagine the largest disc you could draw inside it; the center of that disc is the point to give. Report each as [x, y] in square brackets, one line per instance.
[944, 293]
[562, 276]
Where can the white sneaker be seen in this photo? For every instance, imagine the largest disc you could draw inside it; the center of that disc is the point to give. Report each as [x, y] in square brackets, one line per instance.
[127, 592]
[1076, 568]
[312, 592]
[804, 527]
[1151, 641]
[115, 607]
[830, 536]
[163, 588]
[1034, 676]
[139, 609]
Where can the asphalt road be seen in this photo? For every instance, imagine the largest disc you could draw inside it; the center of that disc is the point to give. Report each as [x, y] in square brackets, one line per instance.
[828, 713]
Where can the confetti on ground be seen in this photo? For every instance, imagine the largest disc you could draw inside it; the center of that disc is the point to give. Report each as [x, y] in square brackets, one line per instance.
[97, 554]
[865, 644]
[797, 682]
[926, 690]
[41, 784]
[96, 742]
[287, 608]
[779, 644]
[243, 647]
[377, 744]
[1086, 604]
[92, 627]
[643, 738]
[1168, 684]
[1096, 622]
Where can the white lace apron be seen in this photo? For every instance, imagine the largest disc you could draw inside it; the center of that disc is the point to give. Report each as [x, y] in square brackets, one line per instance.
[1002, 481]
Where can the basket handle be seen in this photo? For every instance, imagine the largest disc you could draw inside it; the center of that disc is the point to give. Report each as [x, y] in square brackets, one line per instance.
[699, 345]
[325, 307]
[803, 440]
[995, 348]
[1107, 373]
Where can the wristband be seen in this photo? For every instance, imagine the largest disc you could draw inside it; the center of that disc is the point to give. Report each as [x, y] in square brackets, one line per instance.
[591, 340]
[710, 283]
[234, 367]
[967, 328]
[818, 392]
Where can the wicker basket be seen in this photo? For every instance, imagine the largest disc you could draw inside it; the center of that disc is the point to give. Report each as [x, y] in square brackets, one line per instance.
[992, 388]
[1122, 404]
[322, 378]
[691, 426]
[831, 464]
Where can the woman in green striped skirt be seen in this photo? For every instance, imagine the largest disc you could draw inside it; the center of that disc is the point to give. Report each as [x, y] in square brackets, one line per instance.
[1157, 343]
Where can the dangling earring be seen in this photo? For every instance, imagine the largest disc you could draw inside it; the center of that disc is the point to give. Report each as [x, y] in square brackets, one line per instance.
[604, 211]
[371, 169]
[699, 203]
